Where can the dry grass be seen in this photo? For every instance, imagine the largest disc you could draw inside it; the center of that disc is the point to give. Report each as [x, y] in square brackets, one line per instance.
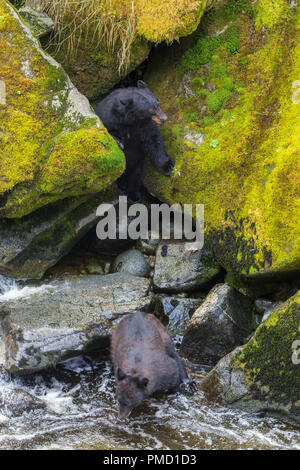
[117, 23]
[112, 22]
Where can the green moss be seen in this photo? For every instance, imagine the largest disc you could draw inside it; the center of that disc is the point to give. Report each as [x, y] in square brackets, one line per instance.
[269, 12]
[208, 120]
[200, 54]
[249, 183]
[216, 100]
[47, 152]
[267, 359]
[232, 40]
[234, 7]
[190, 116]
[100, 71]
[157, 24]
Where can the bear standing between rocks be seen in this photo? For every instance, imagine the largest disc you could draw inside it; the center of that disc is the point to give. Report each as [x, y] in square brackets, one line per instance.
[145, 361]
[131, 116]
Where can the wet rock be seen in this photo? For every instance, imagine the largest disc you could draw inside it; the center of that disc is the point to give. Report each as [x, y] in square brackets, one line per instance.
[148, 246]
[176, 312]
[265, 307]
[94, 267]
[224, 320]
[52, 144]
[179, 270]
[39, 22]
[217, 383]
[15, 402]
[65, 318]
[251, 222]
[31, 245]
[92, 243]
[265, 373]
[132, 262]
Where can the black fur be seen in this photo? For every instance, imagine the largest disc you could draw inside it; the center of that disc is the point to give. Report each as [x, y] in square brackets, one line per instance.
[129, 114]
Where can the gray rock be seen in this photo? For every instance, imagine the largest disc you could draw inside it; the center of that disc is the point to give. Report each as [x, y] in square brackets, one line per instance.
[94, 267]
[264, 374]
[31, 245]
[176, 312]
[39, 22]
[148, 246]
[223, 385]
[178, 270]
[132, 262]
[265, 307]
[65, 318]
[38, 5]
[15, 402]
[224, 321]
[109, 246]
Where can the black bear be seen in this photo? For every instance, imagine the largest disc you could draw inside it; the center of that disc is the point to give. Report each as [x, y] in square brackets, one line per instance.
[131, 116]
[145, 361]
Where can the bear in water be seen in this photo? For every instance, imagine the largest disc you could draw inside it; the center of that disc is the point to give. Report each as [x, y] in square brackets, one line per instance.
[144, 360]
[131, 116]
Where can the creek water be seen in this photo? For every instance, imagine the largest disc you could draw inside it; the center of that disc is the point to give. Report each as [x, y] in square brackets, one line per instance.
[81, 413]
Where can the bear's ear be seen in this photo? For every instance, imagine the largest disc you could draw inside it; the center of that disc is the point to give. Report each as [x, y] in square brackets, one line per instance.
[127, 102]
[141, 84]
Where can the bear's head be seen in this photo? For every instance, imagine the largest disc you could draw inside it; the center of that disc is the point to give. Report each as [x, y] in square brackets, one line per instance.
[139, 104]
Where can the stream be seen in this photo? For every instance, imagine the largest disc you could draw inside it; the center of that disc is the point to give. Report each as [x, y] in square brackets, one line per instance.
[81, 413]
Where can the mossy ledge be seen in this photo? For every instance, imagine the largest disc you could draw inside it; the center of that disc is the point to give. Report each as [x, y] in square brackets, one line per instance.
[52, 145]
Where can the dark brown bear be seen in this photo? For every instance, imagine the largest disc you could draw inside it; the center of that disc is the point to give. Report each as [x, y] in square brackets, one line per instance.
[145, 361]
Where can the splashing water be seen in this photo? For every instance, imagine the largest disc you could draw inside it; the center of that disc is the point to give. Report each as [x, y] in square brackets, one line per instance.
[10, 289]
[81, 412]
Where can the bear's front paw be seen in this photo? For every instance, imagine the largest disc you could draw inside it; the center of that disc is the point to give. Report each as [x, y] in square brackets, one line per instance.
[169, 167]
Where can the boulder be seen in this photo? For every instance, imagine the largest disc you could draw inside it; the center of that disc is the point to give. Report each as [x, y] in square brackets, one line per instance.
[132, 262]
[52, 145]
[97, 60]
[148, 246]
[39, 22]
[265, 307]
[178, 270]
[176, 312]
[223, 321]
[64, 318]
[231, 93]
[265, 373]
[31, 245]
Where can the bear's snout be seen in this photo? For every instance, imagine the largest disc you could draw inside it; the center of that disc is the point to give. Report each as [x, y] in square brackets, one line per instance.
[159, 117]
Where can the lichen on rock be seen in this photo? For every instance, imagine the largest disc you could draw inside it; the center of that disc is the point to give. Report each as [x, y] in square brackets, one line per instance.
[52, 145]
[234, 81]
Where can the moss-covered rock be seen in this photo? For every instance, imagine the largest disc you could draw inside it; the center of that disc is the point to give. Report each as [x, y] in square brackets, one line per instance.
[92, 67]
[99, 43]
[40, 23]
[265, 374]
[235, 84]
[52, 145]
[165, 21]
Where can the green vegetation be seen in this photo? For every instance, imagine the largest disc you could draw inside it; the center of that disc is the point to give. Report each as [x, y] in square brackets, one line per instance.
[267, 359]
[249, 181]
[48, 149]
